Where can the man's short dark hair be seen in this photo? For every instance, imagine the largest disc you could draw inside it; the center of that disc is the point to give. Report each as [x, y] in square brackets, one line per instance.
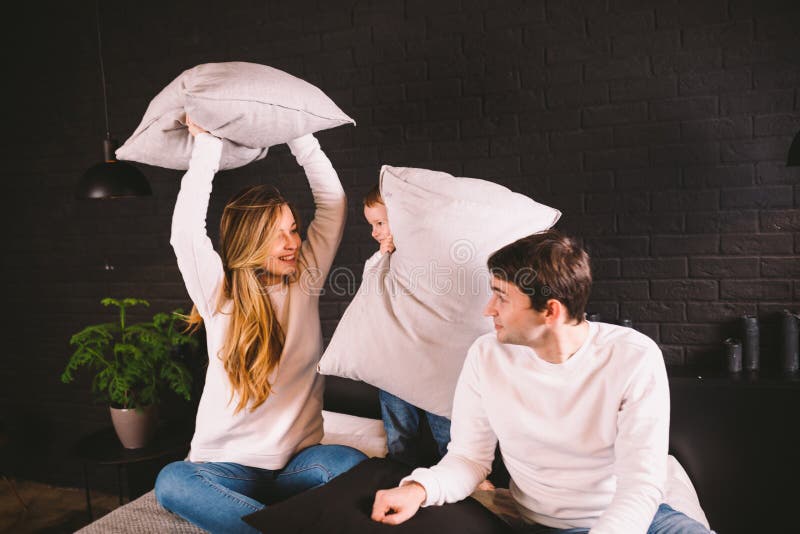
[544, 266]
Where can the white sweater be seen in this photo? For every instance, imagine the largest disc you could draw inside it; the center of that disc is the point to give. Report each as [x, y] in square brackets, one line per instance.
[290, 419]
[585, 441]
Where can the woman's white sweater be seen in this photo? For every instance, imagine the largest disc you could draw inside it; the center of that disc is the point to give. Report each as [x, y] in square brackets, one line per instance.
[290, 419]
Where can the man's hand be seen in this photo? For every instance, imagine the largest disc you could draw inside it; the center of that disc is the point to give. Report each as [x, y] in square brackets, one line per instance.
[194, 129]
[387, 245]
[398, 505]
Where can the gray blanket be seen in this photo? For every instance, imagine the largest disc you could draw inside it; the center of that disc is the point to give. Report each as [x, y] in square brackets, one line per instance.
[141, 516]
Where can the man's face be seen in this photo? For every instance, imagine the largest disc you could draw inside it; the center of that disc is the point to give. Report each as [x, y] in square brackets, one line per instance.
[515, 321]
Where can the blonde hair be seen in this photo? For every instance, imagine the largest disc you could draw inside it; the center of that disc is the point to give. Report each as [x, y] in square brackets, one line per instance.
[373, 196]
[254, 341]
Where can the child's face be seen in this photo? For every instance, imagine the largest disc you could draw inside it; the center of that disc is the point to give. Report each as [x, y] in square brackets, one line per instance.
[379, 220]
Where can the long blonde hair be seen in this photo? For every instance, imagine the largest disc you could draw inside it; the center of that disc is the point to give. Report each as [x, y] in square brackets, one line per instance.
[254, 341]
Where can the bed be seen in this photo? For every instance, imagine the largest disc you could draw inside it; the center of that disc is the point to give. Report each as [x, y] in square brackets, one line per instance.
[736, 439]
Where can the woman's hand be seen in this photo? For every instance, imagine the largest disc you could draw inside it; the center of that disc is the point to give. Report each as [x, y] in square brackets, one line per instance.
[194, 129]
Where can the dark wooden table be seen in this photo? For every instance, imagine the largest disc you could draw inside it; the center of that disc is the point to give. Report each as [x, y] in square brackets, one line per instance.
[104, 448]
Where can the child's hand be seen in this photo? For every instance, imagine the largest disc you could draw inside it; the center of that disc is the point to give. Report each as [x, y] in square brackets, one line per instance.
[387, 245]
[194, 129]
[486, 486]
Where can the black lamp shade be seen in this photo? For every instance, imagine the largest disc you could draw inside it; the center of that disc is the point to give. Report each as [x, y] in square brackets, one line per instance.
[793, 160]
[113, 179]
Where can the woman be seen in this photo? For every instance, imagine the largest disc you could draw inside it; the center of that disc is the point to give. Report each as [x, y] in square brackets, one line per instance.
[259, 422]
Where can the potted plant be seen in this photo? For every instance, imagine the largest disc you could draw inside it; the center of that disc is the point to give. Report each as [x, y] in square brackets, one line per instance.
[132, 365]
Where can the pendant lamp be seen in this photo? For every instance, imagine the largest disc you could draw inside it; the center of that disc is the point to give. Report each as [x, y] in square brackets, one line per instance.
[110, 178]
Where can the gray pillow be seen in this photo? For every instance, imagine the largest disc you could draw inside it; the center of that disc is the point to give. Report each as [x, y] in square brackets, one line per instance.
[250, 106]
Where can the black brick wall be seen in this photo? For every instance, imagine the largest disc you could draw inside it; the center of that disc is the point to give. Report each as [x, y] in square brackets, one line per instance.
[658, 128]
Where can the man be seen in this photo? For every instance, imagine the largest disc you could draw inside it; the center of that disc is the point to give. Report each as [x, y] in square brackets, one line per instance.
[581, 410]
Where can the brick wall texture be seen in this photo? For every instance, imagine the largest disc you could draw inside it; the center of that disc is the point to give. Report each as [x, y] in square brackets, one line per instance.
[659, 129]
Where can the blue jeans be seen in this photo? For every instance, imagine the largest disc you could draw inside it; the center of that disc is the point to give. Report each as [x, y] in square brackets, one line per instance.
[215, 495]
[401, 421]
[666, 521]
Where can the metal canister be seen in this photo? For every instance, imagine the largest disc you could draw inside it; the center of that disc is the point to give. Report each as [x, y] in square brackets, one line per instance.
[750, 345]
[733, 355]
[790, 359]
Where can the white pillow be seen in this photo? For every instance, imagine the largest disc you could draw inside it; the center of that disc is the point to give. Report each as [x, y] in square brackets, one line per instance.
[250, 106]
[419, 309]
[362, 433]
[679, 494]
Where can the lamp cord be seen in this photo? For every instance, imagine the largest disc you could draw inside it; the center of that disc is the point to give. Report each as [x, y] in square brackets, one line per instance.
[102, 67]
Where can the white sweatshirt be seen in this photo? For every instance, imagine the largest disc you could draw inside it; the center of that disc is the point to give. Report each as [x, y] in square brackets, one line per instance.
[290, 419]
[585, 441]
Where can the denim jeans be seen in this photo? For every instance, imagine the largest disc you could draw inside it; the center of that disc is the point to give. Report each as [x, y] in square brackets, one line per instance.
[401, 421]
[215, 495]
[666, 521]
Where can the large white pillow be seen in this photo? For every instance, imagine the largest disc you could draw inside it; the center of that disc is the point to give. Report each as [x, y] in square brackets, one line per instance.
[416, 313]
[250, 106]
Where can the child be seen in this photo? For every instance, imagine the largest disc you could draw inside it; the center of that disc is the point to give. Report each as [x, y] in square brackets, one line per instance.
[400, 419]
[375, 213]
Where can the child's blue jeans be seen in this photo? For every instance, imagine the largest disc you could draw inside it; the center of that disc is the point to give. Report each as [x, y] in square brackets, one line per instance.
[401, 421]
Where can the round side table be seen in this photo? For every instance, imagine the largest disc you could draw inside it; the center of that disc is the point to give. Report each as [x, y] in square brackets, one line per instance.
[103, 448]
